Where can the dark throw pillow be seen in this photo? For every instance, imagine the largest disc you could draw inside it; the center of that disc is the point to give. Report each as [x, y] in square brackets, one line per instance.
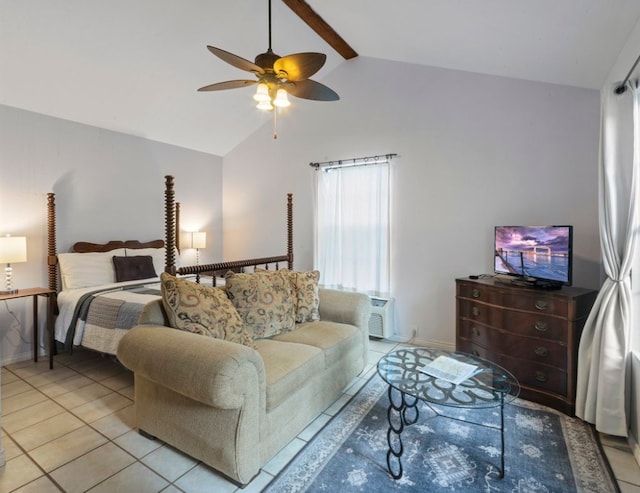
[134, 268]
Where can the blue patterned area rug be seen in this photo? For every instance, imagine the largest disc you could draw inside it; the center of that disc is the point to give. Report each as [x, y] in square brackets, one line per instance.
[545, 452]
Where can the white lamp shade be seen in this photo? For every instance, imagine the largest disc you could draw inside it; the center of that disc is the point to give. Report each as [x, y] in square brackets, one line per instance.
[198, 239]
[281, 101]
[13, 249]
[262, 93]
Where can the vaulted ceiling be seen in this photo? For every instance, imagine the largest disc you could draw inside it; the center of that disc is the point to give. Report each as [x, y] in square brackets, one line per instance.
[134, 65]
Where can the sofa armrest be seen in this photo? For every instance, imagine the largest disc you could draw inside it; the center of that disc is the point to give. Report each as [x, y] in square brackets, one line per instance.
[153, 314]
[212, 371]
[345, 307]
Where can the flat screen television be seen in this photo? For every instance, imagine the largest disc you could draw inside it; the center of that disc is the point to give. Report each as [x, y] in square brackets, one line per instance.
[539, 255]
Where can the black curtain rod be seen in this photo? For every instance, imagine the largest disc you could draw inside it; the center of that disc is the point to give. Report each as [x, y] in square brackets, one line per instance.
[358, 161]
[623, 86]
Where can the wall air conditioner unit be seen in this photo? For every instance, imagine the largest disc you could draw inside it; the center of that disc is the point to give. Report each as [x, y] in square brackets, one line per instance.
[381, 323]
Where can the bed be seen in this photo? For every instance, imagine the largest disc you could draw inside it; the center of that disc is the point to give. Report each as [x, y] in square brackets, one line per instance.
[101, 289]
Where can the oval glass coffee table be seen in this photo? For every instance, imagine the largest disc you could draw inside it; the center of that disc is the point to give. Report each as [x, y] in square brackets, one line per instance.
[411, 376]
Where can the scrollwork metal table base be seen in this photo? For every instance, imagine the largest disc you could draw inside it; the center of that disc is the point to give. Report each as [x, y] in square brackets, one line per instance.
[492, 386]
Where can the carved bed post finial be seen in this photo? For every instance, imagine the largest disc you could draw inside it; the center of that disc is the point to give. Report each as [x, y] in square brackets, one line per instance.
[170, 221]
[51, 242]
[290, 229]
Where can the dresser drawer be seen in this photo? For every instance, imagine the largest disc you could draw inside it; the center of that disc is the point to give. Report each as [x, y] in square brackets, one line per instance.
[480, 312]
[537, 304]
[500, 342]
[534, 375]
[478, 292]
[535, 325]
[530, 374]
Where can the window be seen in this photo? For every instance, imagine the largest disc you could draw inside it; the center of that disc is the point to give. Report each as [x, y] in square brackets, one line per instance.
[352, 226]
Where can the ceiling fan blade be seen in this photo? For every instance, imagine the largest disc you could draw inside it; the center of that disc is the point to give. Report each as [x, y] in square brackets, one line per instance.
[236, 60]
[310, 89]
[230, 84]
[299, 66]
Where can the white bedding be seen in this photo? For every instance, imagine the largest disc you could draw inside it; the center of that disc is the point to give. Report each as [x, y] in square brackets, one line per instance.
[68, 299]
[96, 336]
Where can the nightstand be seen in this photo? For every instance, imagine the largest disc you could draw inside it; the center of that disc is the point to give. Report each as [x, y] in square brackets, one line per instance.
[35, 292]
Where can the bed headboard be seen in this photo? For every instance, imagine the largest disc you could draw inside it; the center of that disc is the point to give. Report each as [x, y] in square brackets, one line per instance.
[87, 247]
[81, 246]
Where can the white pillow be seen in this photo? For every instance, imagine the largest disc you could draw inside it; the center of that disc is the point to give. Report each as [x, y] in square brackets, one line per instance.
[84, 270]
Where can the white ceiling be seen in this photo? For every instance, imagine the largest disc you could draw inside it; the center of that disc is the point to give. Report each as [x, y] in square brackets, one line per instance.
[134, 65]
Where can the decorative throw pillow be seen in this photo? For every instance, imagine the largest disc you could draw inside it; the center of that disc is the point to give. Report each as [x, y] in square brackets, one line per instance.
[305, 284]
[134, 268]
[157, 254]
[265, 301]
[202, 310]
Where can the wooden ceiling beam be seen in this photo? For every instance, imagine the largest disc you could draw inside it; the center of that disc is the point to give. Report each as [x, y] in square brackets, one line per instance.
[303, 10]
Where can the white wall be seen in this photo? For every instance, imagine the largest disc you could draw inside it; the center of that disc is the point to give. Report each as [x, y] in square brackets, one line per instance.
[108, 186]
[475, 151]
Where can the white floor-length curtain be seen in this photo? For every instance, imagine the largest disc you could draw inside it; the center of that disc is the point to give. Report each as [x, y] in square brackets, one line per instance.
[604, 352]
[352, 228]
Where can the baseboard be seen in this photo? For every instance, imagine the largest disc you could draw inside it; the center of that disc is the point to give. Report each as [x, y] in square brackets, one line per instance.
[398, 338]
[433, 344]
[19, 357]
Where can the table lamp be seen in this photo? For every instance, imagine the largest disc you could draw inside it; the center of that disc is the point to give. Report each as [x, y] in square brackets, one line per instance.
[12, 249]
[197, 240]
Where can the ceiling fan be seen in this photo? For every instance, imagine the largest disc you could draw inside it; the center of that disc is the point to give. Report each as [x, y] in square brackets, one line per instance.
[277, 76]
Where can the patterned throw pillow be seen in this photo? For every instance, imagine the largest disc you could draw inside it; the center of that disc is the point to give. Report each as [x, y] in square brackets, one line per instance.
[265, 301]
[202, 310]
[305, 284]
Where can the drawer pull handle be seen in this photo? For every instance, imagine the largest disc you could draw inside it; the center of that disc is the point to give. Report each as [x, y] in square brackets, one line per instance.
[475, 331]
[475, 311]
[542, 351]
[541, 326]
[475, 293]
[541, 376]
[541, 305]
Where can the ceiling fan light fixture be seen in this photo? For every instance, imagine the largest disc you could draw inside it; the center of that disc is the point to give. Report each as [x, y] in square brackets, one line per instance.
[265, 105]
[281, 101]
[262, 93]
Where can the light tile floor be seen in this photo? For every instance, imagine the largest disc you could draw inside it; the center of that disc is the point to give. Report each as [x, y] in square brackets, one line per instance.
[72, 429]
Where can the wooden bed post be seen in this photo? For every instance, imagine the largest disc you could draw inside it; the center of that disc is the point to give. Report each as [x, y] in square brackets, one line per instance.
[177, 228]
[170, 225]
[290, 230]
[51, 242]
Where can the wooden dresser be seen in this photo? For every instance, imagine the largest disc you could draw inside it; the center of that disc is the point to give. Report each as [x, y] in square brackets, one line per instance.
[532, 333]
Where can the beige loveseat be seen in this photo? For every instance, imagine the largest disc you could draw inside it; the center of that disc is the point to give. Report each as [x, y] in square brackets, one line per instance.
[234, 407]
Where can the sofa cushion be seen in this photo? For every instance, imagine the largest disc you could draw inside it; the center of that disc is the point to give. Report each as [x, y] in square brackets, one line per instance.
[287, 367]
[202, 310]
[334, 339]
[264, 300]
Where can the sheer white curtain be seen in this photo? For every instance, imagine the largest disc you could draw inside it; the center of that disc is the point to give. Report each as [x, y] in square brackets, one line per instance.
[604, 352]
[352, 228]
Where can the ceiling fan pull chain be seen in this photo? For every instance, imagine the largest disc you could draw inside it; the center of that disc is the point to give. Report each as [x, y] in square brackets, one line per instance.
[275, 123]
